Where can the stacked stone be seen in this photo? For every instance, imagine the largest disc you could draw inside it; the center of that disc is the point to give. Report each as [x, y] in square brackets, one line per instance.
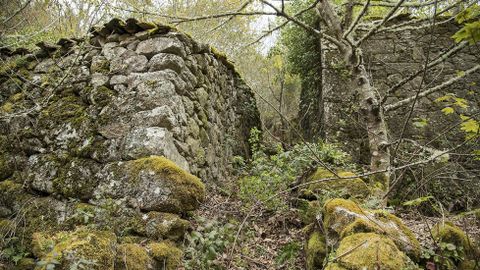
[105, 132]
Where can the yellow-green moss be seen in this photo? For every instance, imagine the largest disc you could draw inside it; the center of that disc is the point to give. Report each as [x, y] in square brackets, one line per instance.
[10, 66]
[352, 188]
[165, 226]
[166, 253]
[309, 211]
[188, 189]
[409, 245]
[25, 264]
[222, 57]
[334, 266]
[68, 109]
[132, 257]
[331, 214]
[315, 251]
[370, 251]
[447, 232]
[6, 227]
[7, 107]
[102, 95]
[360, 225]
[87, 244]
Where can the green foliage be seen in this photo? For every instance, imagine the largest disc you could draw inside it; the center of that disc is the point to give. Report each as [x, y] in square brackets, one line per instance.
[269, 174]
[470, 32]
[287, 255]
[14, 252]
[445, 256]
[203, 246]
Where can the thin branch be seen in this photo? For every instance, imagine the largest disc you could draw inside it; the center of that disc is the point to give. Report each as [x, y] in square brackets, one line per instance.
[357, 19]
[17, 12]
[429, 91]
[242, 7]
[444, 56]
[377, 26]
[392, 4]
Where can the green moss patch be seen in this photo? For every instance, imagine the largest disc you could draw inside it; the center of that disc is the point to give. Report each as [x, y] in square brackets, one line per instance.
[370, 251]
[354, 188]
[132, 257]
[166, 254]
[316, 251]
[93, 249]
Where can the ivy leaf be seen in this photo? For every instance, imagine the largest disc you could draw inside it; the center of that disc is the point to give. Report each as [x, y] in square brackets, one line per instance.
[448, 110]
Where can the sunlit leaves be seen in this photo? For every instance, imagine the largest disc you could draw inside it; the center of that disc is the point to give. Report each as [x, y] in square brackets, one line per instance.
[420, 122]
[470, 32]
[470, 126]
[448, 110]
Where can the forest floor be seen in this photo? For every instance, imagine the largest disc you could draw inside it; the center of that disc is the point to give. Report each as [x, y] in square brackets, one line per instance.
[267, 240]
[274, 240]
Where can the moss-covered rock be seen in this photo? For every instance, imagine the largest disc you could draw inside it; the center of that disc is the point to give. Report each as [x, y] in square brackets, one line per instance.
[370, 251]
[316, 251]
[447, 232]
[166, 254]
[354, 188]
[132, 257]
[343, 218]
[152, 184]
[165, 226]
[93, 249]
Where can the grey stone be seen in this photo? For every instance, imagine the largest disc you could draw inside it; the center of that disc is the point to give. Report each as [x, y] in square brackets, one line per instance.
[148, 141]
[166, 61]
[156, 45]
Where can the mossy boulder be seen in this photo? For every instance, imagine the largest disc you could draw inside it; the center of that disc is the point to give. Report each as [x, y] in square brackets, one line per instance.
[166, 254]
[132, 257]
[369, 251]
[343, 218]
[153, 184]
[94, 249]
[449, 233]
[316, 251]
[354, 188]
[165, 226]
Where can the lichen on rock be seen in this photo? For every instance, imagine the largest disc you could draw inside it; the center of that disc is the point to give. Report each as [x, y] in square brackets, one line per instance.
[94, 249]
[153, 184]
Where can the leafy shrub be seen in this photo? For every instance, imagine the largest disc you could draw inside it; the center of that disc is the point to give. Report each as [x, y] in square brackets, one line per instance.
[206, 243]
[269, 174]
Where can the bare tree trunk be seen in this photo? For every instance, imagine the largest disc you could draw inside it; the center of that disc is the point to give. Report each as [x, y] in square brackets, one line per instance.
[376, 127]
[370, 107]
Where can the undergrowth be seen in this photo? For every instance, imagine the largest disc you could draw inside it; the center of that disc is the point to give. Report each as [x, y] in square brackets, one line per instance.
[267, 175]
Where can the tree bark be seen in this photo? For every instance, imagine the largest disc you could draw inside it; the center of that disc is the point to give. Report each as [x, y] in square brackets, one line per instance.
[376, 127]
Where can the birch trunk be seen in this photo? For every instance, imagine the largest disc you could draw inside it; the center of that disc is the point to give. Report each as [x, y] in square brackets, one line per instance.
[376, 127]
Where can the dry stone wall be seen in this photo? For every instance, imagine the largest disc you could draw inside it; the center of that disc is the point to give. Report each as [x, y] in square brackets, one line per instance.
[114, 132]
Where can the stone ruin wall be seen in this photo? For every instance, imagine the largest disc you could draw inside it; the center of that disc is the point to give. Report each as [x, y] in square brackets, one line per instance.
[389, 58]
[84, 125]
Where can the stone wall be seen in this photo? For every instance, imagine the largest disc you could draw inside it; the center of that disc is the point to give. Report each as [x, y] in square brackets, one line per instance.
[89, 130]
[389, 58]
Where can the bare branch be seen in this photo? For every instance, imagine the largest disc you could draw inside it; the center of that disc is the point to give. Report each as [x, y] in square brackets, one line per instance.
[357, 19]
[429, 91]
[242, 8]
[17, 12]
[377, 26]
[437, 61]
